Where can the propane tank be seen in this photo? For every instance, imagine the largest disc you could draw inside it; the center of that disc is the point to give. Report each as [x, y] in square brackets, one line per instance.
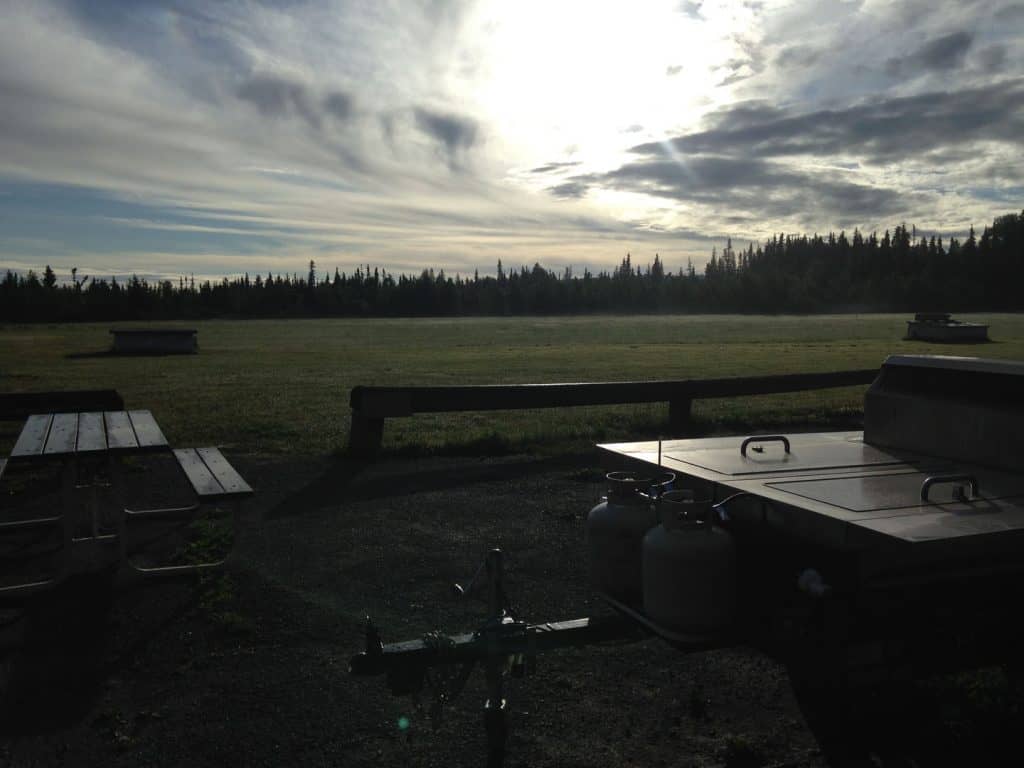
[689, 567]
[615, 531]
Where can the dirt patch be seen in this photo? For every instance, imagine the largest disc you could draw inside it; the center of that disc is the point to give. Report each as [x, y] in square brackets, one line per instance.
[250, 668]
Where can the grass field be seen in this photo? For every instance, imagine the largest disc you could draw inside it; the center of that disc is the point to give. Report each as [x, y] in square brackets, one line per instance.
[281, 386]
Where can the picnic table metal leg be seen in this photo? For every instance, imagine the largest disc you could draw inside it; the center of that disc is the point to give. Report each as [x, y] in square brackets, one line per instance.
[169, 570]
[93, 546]
[60, 568]
[68, 483]
[60, 521]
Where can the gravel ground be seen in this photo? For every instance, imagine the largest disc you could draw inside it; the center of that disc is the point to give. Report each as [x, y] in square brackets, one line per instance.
[251, 668]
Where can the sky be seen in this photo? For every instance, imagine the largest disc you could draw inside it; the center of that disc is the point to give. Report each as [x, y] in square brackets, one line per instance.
[181, 137]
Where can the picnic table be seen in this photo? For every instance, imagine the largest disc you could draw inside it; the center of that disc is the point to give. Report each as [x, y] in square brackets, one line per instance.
[88, 527]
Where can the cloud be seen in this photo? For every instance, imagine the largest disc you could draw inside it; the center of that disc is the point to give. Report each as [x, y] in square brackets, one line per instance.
[751, 61]
[844, 166]
[554, 167]
[692, 8]
[454, 132]
[885, 130]
[767, 189]
[570, 189]
[339, 104]
[993, 58]
[267, 131]
[279, 97]
[940, 55]
[314, 171]
[798, 57]
[1010, 14]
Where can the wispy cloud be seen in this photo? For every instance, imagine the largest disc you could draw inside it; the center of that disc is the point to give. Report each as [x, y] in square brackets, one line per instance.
[939, 55]
[264, 133]
[879, 130]
[454, 132]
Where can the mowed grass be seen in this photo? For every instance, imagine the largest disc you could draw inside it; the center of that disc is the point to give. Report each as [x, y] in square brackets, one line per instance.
[282, 386]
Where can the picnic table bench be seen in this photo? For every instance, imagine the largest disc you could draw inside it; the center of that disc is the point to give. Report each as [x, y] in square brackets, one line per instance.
[89, 448]
[210, 474]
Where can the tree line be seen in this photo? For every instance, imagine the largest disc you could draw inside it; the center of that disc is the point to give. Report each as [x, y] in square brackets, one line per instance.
[899, 271]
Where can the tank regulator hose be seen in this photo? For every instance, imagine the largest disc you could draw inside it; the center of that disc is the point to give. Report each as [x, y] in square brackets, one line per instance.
[720, 507]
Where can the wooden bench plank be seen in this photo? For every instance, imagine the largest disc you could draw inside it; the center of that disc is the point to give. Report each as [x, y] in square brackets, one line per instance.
[33, 435]
[63, 434]
[199, 475]
[226, 475]
[120, 434]
[91, 435]
[146, 430]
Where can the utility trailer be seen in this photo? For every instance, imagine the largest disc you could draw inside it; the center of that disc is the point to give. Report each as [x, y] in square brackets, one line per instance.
[861, 558]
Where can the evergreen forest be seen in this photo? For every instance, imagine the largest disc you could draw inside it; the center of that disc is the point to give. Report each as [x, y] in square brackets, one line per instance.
[897, 271]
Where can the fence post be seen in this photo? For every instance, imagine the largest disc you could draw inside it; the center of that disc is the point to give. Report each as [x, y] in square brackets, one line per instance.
[365, 435]
[679, 416]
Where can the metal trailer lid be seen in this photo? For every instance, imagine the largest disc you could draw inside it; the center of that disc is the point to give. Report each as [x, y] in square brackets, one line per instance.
[811, 494]
[873, 495]
[804, 455]
[865, 510]
[719, 459]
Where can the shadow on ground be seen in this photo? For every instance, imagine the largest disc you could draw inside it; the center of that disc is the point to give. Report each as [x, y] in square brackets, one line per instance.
[111, 353]
[62, 645]
[353, 480]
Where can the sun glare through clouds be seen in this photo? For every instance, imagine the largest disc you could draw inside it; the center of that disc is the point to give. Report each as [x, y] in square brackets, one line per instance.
[585, 80]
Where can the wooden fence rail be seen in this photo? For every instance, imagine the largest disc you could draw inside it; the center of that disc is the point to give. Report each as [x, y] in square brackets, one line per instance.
[372, 405]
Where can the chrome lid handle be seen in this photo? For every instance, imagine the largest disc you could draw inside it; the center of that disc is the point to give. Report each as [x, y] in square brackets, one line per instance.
[764, 439]
[941, 479]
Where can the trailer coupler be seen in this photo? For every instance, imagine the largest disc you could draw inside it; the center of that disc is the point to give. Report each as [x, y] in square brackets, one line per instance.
[504, 645]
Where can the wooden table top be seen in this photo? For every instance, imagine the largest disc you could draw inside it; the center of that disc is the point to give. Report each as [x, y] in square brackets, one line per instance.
[61, 434]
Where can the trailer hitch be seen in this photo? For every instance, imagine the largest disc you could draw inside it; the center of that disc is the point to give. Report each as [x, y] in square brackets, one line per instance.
[504, 645]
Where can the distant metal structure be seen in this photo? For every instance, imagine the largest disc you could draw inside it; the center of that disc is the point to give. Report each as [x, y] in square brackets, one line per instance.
[858, 559]
[941, 327]
[155, 341]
